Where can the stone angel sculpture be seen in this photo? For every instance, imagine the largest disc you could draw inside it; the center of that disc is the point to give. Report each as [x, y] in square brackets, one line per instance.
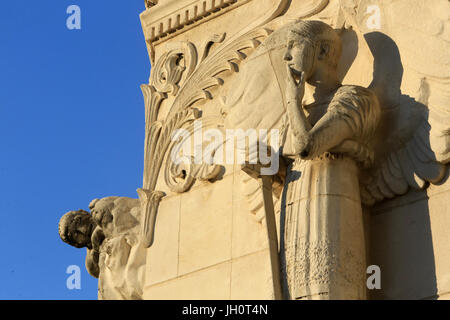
[346, 147]
[292, 85]
[111, 235]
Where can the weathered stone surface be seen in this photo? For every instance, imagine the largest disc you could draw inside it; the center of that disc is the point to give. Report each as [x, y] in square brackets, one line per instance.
[251, 277]
[162, 256]
[205, 227]
[356, 92]
[207, 284]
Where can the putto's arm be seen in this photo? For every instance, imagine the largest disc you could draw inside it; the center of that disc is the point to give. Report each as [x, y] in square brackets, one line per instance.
[92, 258]
[93, 255]
[97, 238]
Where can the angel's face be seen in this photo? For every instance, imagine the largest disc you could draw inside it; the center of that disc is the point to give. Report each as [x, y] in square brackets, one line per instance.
[300, 55]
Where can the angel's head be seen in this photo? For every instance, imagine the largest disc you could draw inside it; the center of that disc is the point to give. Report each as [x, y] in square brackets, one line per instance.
[312, 45]
[76, 227]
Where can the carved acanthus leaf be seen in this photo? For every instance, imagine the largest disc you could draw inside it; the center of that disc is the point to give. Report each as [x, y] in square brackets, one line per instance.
[180, 176]
[155, 154]
[225, 58]
[180, 59]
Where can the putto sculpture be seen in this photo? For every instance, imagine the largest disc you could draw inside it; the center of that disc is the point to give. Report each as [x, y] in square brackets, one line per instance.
[110, 235]
[76, 228]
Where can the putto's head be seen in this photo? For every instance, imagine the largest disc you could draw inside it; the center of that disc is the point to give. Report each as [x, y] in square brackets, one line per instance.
[312, 44]
[75, 228]
[101, 210]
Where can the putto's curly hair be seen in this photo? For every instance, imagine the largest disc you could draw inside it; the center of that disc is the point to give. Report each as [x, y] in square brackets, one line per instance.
[67, 221]
[319, 33]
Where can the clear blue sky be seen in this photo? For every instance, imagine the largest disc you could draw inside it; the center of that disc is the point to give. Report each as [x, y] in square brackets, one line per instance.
[71, 128]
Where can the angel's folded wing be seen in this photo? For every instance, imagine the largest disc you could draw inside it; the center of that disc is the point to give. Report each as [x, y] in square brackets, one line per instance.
[256, 103]
[416, 148]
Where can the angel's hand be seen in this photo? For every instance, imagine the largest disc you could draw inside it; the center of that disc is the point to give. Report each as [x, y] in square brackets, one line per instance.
[295, 89]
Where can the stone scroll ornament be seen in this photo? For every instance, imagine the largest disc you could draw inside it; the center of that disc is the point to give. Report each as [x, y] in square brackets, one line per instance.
[114, 253]
[340, 152]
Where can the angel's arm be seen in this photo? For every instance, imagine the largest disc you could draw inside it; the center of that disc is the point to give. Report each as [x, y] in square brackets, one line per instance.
[353, 114]
[300, 127]
[306, 140]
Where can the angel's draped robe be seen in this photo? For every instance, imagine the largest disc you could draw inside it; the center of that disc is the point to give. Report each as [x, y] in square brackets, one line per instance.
[323, 239]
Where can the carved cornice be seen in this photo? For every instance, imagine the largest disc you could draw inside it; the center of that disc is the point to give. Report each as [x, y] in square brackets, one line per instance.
[159, 20]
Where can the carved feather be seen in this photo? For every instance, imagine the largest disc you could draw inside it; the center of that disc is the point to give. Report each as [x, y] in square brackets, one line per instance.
[415, 150]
